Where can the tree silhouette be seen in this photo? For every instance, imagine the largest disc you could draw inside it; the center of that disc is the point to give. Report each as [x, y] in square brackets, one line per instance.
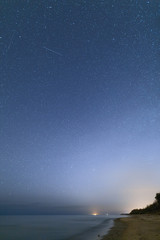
[150, 209]
[157, 197]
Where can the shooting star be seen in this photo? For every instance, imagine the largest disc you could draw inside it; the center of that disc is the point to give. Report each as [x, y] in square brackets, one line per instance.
[50, 50]
[11, 39]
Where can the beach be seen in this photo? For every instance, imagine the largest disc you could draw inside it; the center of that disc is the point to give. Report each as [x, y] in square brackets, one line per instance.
[137, 227]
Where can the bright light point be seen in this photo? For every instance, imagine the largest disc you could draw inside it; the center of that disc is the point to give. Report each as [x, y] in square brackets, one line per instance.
[95, 214]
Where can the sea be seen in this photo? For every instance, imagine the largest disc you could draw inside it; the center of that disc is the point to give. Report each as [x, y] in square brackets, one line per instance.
[55, 227]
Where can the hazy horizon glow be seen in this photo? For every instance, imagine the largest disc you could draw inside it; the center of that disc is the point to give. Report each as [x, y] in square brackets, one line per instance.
[80, 106]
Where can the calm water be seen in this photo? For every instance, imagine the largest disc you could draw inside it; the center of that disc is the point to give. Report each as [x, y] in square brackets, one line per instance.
[54, 227]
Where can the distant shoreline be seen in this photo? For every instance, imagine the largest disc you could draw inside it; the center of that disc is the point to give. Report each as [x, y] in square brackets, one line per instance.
[135, 227]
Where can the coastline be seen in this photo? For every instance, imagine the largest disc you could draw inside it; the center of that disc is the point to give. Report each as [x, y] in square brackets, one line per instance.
[144, 227]
[116, 232]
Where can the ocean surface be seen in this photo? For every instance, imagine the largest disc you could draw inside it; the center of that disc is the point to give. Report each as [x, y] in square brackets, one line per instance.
[55, 227]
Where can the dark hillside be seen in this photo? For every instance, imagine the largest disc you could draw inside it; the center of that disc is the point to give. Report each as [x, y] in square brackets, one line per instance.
[153, 208]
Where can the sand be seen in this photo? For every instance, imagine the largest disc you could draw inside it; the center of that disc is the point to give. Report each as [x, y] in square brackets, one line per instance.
[137, 227]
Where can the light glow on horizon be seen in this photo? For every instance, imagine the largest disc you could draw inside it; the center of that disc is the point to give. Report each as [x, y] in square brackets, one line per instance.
[95, 214]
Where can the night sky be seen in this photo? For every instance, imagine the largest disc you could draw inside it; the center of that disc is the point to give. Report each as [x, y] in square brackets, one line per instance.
[79, 105]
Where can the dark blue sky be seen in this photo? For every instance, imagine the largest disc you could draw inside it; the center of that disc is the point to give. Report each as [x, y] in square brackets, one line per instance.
[80, 104]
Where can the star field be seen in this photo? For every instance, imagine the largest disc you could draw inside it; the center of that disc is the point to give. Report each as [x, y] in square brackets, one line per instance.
[79, 103]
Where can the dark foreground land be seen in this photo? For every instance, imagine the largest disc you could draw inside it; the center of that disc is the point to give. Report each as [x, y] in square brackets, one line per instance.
[137, 227]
